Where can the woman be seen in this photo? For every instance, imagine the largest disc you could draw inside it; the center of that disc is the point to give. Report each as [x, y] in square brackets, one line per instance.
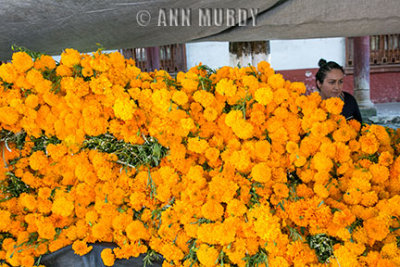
[330, 84]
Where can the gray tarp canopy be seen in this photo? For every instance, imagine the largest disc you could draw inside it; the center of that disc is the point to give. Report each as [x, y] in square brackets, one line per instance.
[49, 26]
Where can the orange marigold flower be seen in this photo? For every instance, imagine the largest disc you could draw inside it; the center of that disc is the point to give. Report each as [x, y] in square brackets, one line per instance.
[212, 210]
[352, 196]
[261, 172]
[45, 62]
[136, 231]
[70, 57]
[281, 190]
[212, 154]
[386, 158]
[81, 248]
[62, 206]
[22, 61]
[377, 228]
[8, 115]
[108, 257]
[276, 81]
[334, 105]
[38, 160]
[369, 144]
[210, 114]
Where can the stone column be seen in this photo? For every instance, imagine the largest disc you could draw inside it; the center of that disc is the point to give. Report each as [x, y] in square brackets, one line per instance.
[248, 53]
[361, 77]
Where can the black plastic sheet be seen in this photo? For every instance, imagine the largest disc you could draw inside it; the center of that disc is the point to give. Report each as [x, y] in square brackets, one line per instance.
[66, 257]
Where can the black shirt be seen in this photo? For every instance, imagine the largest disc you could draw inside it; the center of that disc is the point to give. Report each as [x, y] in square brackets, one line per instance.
[350, 108]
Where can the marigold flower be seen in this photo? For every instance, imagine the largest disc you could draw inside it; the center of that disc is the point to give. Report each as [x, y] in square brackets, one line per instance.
[108, 257]
[334, 105]
[208, 256]
[22, 61]
[376, 228]
[264, 95]
[70, 57]
[261, 172]
[180, 98]
[81, 248]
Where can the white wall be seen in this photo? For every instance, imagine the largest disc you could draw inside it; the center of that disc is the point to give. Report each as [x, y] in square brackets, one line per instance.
[305, 53]
[212, 54]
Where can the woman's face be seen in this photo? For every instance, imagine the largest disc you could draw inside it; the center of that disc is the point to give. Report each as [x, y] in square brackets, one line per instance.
[332, 85]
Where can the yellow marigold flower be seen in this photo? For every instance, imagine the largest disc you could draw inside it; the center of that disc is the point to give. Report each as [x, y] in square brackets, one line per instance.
[197, 145]
[261, 172]
[243, 129]
[22, 61]
[236, 208]
[208, 256]
[264, 95]
[81, 248]
[241, 160]
[226, 87]
[265, 224]
[187, 124]
[180, 98]
[108, 257]
[204, 98]
[70, 57]
[124, 108]
[232, 117]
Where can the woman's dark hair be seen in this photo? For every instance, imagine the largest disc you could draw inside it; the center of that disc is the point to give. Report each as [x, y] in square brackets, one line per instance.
[324, 68]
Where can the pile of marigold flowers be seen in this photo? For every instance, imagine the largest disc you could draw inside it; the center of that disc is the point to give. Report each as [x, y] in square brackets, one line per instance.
[235, 167]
